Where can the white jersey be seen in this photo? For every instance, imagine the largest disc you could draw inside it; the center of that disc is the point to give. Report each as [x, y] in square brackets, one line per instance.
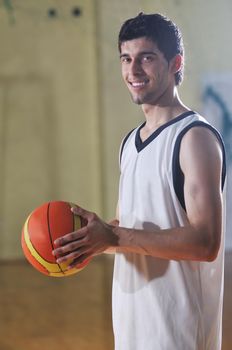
[163, 304]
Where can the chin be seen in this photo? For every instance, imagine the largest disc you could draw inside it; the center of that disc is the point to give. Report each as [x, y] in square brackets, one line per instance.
[138, 100]
[146, 99]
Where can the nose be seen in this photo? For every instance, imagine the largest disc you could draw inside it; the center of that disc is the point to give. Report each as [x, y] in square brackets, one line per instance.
[136, 68]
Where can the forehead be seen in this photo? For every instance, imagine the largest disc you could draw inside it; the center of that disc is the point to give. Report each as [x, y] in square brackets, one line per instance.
[138, 46]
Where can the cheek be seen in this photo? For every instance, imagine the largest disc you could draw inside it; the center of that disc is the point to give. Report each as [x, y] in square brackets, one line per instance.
[161, 75]
[125, 76]
[125, 67]
[123, 72]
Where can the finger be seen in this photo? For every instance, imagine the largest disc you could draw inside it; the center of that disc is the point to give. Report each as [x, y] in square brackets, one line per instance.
[81, 212]
[78, 262]
[70, 237]
[70, 247]
[74, 255]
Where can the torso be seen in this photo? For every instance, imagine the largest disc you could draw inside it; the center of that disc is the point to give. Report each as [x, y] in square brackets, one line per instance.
[160, 304]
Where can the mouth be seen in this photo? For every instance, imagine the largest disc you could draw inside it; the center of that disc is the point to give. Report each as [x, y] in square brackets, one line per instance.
[138, 84]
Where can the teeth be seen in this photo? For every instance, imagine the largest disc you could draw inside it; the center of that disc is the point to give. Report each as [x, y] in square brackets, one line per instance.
[137, 84]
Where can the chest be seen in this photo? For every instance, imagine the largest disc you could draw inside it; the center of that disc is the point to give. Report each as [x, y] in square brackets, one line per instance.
[150, 162]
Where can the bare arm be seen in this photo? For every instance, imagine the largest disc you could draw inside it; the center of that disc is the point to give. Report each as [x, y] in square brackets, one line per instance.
[114, 222]
[201, 163]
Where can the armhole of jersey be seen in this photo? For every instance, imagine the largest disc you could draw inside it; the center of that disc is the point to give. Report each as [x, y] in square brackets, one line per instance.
[178, 176]
[123, 144]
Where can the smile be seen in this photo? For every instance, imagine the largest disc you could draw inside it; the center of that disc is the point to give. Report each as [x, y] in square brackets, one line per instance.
[137, 84]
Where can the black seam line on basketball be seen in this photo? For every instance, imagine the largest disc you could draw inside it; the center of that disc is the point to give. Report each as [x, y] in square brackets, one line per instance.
[49, 262]
[140, 145]
[50, 235]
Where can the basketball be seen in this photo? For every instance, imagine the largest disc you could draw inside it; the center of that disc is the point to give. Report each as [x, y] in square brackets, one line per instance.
[45, 224]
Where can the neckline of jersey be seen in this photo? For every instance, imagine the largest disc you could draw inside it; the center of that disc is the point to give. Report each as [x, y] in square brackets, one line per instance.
[140, 145]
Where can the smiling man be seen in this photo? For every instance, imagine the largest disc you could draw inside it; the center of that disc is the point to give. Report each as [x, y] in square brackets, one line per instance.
[146, 70]
[168, 235]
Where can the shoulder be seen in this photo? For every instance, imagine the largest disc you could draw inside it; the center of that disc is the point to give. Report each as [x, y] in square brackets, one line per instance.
[201, 151]
[196, 132]
[198, 151]
[199, 135]
[201, 138]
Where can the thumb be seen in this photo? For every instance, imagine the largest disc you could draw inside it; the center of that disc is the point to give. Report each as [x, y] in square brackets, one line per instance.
[81, 212]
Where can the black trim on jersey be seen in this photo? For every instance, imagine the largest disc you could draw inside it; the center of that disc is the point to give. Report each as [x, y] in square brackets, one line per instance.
[140, 145]
[123, 144]
[178, 176]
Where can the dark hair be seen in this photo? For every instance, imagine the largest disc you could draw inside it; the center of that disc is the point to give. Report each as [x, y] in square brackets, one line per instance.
[160, 30]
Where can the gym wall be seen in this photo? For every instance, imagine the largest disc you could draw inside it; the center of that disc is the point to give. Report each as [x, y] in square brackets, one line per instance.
[63, 106]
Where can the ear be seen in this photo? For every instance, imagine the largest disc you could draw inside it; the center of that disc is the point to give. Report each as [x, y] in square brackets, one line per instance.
[176, 63]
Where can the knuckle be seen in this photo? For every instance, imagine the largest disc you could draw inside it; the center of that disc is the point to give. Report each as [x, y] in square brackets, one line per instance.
[84, 231]
[58, 252]
[86, 239]
[72, 236]
[80, 211]
[74, 255]
[92, 216]
[61, 241]
[81, 258]
[72, 246]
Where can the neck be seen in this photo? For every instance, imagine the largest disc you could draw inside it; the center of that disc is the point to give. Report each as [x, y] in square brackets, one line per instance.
[160, 113]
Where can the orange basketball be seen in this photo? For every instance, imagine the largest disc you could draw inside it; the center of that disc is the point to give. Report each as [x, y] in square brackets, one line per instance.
[45, 224]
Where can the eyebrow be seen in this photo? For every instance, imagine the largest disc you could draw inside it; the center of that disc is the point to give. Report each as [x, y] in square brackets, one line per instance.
[140, 53]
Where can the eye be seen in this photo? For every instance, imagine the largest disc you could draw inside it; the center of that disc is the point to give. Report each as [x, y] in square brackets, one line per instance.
[147, 58]
[125, 59]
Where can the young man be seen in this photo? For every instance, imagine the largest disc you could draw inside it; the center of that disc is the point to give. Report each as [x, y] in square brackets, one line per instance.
[169, 242]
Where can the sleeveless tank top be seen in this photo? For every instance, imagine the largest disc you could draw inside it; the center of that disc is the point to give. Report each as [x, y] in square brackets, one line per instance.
[163, 304]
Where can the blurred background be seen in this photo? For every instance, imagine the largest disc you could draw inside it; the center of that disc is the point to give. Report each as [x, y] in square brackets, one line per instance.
[63, 112]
